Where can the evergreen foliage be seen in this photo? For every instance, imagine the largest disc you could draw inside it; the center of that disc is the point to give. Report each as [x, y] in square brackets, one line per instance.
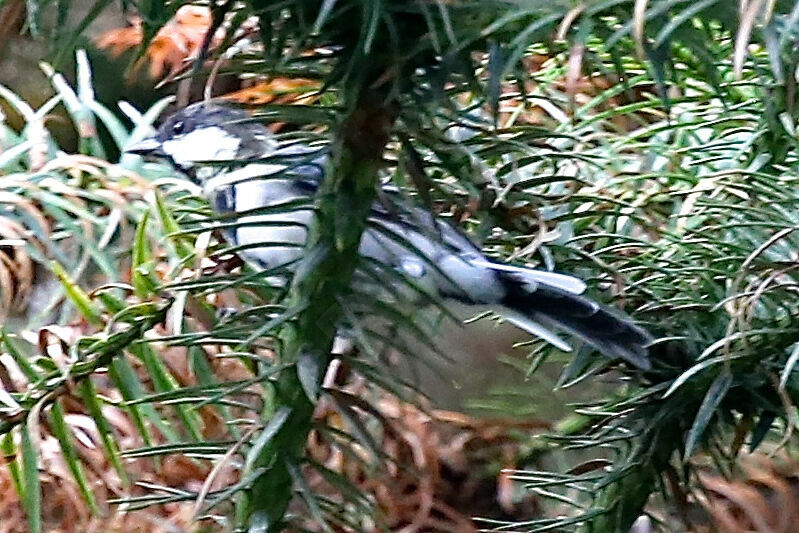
[662, 169]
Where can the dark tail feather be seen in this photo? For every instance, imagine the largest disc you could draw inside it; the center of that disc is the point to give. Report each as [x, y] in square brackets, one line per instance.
[606, 330]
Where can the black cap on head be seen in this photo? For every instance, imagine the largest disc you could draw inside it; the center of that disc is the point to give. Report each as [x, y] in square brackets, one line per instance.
[225, 120]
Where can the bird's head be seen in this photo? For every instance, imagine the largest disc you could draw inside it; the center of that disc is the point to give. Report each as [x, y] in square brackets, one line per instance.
[206, 132]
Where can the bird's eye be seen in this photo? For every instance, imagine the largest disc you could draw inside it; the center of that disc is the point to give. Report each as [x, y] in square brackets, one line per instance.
[178, 127]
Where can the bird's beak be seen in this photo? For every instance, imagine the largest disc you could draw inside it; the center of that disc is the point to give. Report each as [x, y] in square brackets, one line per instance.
[149, 147]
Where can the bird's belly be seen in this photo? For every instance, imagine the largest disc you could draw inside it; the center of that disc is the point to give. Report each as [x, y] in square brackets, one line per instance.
[273, 241]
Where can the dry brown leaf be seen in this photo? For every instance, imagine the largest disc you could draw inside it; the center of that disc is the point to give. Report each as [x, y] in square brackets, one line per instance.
[177, 41]
[763, 497]
[278, 91]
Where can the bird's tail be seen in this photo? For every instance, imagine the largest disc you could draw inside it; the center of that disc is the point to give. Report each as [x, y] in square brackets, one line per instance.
[541, 301]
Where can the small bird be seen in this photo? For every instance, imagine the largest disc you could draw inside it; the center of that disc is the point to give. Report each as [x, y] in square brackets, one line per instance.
[269, 185]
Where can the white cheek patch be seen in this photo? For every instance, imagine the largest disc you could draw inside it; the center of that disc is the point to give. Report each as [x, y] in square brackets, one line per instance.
[204, 144]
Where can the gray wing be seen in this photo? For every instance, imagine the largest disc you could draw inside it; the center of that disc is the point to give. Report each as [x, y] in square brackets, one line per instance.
[430, 252]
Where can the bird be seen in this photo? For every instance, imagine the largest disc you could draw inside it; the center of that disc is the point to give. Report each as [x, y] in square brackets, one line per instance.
[268, 186]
